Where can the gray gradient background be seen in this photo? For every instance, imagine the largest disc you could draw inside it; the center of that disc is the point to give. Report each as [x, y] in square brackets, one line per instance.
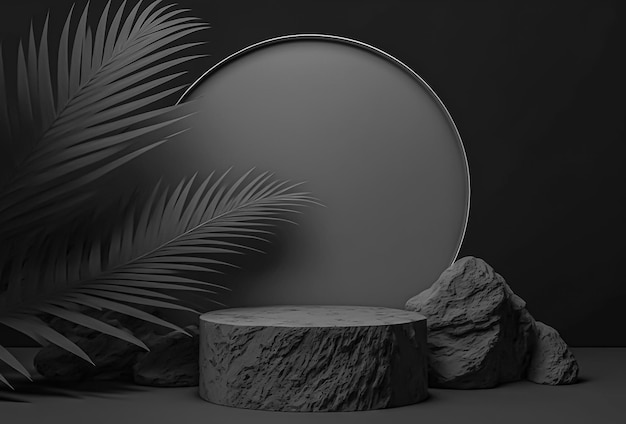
[536, 89]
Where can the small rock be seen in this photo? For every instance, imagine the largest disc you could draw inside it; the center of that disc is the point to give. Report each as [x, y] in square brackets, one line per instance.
[552, 362]
[171, 362]
[479, 332]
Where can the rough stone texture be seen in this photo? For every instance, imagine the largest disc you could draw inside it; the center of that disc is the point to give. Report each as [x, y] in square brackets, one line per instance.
[171, 362]
[552, 362]
[313, 358]
[113, 357]
[479, 332]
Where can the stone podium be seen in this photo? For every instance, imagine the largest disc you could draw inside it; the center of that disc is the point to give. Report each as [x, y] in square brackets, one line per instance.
[313, 358]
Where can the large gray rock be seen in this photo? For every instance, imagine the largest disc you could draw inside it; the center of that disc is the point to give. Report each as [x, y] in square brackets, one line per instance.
[552, 362]
[479, 332]
[313, 358]
[113, 357]
[171, 362]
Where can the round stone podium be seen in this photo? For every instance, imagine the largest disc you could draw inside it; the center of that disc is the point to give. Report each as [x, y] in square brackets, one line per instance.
[313, 358]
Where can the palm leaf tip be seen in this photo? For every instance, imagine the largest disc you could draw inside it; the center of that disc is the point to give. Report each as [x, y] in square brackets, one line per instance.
[6, 382]
[9, 359]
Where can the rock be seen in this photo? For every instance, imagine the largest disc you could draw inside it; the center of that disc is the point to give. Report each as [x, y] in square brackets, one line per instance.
[113, 357]
[171, 362]
[552, 362]
[479, 332]
[313, 358]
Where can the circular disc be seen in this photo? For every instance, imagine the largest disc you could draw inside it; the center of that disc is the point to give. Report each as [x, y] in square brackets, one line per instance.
[374, 144]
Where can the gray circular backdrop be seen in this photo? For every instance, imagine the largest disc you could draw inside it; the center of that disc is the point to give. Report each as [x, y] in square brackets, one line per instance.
[374, 144]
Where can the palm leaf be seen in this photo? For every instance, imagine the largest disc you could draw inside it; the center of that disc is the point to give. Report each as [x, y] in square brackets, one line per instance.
[8, 358]
[67, 131]
[195, 227]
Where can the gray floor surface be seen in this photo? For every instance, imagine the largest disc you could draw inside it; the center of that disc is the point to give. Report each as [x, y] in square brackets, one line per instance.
[599, 398]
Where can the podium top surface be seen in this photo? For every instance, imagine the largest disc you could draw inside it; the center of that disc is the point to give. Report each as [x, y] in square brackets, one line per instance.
[311, 316]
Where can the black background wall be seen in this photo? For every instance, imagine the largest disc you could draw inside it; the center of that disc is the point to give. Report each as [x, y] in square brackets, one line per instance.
[537, 91]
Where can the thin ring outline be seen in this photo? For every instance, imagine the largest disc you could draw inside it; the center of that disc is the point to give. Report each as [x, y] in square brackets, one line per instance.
[354, 43]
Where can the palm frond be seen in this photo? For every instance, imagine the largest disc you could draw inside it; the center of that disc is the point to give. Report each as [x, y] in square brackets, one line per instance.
[71, 129]
[194, 227]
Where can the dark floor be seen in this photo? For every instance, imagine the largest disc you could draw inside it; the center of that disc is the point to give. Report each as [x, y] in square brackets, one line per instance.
[600, 398]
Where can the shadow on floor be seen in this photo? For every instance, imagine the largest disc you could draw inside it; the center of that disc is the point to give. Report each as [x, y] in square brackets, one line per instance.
[26, 391]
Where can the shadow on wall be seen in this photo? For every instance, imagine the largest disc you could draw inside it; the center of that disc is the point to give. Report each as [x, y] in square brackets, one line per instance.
[251, 266]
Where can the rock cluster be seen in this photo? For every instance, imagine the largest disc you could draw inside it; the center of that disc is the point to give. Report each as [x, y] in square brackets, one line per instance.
[480, 333]
[172, 360]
